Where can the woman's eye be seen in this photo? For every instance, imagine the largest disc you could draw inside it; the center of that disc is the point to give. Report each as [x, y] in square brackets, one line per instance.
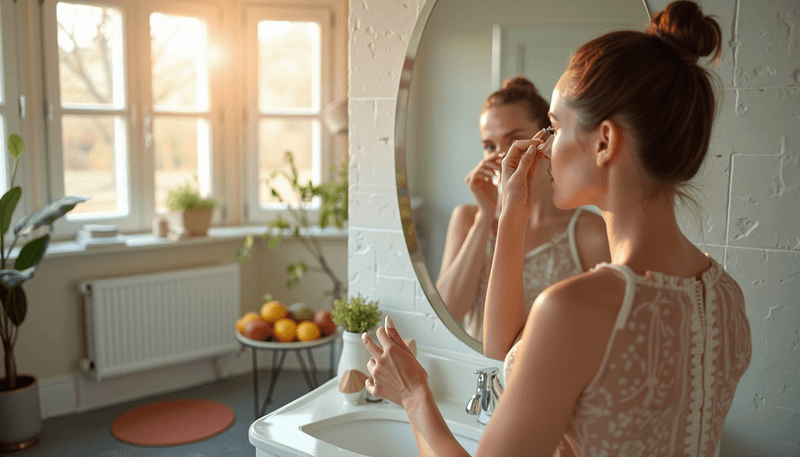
[488, 147]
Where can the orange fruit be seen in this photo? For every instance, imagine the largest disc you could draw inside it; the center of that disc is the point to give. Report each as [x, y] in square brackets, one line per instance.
[284, 330]
[307, 331]
[272, 311]
[244, 320]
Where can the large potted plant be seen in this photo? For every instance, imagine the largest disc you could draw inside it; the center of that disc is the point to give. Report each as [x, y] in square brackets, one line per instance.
[20, 415]
[190, 213]
[332, 197]
[356, 315]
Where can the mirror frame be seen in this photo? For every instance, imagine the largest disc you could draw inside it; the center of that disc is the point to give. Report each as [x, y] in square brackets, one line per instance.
[401, 177]
[403, 196]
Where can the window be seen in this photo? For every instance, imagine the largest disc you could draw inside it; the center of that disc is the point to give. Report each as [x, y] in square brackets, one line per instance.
[289, 65]
[10, 104]
[119, 131]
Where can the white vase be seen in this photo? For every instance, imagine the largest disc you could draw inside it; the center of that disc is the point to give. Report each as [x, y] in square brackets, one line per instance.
[354, 355]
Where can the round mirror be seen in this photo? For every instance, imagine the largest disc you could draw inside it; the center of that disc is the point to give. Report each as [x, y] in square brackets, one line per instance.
[459, 53]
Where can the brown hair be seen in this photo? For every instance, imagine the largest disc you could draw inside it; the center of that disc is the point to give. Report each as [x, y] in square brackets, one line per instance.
[652, 84]
[521, 90]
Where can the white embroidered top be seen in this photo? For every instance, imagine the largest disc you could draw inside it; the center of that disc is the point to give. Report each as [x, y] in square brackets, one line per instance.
[546, 264]
[671, 367]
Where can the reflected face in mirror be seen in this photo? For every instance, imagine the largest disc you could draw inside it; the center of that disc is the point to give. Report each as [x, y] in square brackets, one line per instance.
[553, 250]
[445, 121]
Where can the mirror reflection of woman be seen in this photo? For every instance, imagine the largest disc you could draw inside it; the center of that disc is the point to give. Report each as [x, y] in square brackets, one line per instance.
[638, 357]
[559, 243]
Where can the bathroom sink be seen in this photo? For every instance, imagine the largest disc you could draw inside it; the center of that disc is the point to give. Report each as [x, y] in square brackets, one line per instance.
[321, 423]
[380, 433]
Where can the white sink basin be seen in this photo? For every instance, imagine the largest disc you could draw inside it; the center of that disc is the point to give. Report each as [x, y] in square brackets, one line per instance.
[322, 424]
[380, 433]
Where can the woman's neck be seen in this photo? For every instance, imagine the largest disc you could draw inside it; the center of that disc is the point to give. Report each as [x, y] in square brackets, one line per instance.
[643, 233]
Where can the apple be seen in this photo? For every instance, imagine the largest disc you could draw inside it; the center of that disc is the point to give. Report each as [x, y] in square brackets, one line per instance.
[325, 323]
[257, 330]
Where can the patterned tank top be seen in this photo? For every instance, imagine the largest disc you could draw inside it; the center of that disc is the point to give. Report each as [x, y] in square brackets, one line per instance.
[546, 264]
[671, 367]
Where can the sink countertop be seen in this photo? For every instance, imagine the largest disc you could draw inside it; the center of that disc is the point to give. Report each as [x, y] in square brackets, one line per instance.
[280, 433]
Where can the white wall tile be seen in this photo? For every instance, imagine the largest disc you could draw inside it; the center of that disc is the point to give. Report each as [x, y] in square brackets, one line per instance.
[768, 51]
[758, 121]
[765, 416]
[374, 206]
[765, 202]
[379, 34]
[371, 137]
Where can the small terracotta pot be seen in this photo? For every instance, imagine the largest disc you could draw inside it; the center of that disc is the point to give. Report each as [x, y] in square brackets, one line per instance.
[193, 223]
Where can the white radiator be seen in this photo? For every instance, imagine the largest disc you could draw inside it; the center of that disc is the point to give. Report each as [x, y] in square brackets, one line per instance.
[135, 323]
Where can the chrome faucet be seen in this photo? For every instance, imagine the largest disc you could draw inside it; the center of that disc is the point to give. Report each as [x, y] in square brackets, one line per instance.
[483, 403]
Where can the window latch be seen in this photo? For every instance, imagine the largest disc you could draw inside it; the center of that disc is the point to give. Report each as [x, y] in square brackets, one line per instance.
[22, 107]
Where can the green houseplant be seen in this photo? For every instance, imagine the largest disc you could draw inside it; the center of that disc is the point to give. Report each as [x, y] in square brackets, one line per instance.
[20, 419]
[333, 210]
[190, 213]
[356, 315]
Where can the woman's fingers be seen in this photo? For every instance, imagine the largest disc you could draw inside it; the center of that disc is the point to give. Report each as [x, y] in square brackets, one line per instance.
[371, 346]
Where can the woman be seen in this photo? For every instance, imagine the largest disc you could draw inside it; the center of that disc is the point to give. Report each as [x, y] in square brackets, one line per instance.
[638, 357]
[559, 243]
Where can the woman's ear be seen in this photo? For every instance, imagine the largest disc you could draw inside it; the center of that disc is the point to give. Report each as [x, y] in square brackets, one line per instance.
[607, 143]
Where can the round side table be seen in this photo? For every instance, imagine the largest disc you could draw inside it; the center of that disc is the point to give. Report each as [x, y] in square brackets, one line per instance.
[279, 351]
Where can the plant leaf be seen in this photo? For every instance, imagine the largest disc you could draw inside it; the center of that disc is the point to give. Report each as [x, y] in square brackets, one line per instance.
[15, 304]
[7, 204]
[32, 253]
[12, 278]
[15, 146]
[48, 213]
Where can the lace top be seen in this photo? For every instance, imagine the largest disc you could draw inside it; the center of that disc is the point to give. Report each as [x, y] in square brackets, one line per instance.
[546, 264]
[671, 367]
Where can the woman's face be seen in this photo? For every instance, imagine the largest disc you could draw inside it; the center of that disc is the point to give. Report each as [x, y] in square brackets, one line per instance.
[502, 125]
[571, 159]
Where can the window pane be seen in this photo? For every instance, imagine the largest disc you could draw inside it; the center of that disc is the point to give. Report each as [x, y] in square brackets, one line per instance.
[179, 54]
[182, 148]
[93, 152]
[4, 178]
[288, 65]
[90, 56]
[276, 136]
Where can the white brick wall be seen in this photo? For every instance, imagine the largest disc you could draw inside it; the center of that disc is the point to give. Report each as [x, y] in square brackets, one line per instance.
[751, 201]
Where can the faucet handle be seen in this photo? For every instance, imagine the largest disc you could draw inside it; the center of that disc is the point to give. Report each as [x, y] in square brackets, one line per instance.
[489, 371]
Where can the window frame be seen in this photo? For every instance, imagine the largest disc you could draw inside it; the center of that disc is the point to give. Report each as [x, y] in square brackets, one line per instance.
[11, 111]
[253, 14]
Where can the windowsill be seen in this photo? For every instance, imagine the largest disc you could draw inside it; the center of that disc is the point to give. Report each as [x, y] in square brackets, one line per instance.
[147, 241]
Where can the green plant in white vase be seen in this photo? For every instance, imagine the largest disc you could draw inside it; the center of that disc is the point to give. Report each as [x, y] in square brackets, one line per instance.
[356, 315]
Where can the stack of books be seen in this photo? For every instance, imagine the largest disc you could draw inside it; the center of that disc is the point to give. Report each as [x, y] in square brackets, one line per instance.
[93, 236]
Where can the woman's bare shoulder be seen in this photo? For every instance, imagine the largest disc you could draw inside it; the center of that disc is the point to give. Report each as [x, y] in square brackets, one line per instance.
[593, 294]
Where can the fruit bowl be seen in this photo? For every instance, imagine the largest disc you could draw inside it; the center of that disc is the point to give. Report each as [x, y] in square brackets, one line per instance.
[281, 345]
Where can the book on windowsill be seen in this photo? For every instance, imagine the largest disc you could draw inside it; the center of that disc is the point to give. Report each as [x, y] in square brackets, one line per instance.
[90, 242]
[100, 230]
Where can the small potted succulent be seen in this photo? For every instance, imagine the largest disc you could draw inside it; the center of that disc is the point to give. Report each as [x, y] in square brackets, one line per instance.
[190, 213]
[20, 415]
[356, 315]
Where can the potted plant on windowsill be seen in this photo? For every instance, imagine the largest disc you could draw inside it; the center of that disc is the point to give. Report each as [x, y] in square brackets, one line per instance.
[356, 315]
[20, 415]
[190, 213]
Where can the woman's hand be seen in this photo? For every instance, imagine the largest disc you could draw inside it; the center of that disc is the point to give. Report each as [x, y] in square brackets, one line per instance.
[480, 182]
[518, 167]
[397, 376]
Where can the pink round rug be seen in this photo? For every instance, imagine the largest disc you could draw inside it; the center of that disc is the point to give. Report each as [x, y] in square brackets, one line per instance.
[172, 422]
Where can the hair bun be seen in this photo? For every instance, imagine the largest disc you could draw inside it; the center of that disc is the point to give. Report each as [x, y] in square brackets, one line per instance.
[690, 33]
[520, 82]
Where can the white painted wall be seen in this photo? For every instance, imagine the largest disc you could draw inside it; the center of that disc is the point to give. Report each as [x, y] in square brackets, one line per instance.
[751, 204]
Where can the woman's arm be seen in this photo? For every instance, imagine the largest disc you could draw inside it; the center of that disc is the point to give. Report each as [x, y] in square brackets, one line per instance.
[505, 311]
[464, 258]
[398, 377]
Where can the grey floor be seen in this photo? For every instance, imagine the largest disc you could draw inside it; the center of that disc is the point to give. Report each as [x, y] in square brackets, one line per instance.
[88, 434]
